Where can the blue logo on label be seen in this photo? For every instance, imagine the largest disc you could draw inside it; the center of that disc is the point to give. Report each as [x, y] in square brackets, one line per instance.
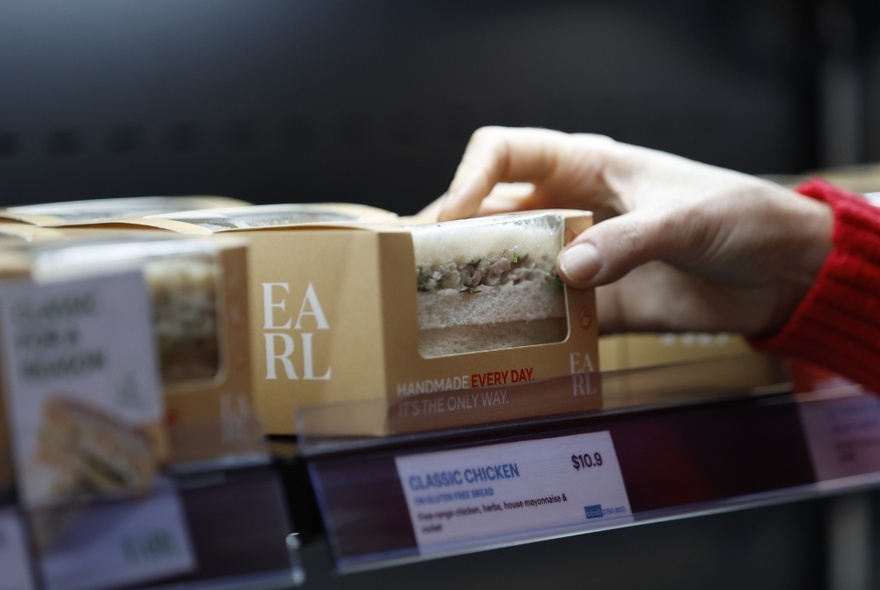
[594, 511]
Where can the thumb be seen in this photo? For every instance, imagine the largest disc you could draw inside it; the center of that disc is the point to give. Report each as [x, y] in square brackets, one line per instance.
[612, 248]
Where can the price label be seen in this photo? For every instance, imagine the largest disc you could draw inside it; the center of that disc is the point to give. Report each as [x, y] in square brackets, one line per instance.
[121, 543]
[843, 435]
[513, 491]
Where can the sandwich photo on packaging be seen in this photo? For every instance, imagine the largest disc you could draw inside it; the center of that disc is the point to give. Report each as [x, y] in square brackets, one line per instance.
[359, 304]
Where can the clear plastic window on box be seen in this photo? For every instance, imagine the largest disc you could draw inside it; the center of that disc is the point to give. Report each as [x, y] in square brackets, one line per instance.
[183, 278]
[489, 283]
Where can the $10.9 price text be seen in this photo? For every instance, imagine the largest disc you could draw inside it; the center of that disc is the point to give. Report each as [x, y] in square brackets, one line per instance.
[586, 460]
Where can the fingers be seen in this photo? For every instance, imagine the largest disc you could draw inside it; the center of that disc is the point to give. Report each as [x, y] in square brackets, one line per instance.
[611, 249]
[504, 198]
[545, 158]
[495, 155]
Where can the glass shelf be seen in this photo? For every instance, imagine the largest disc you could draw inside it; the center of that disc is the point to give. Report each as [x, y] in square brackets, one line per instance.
[664, 444]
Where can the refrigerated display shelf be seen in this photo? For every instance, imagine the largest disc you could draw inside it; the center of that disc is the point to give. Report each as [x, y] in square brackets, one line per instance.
[392, 500]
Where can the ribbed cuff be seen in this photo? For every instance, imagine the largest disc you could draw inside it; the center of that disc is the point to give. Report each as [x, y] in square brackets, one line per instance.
[837, 325]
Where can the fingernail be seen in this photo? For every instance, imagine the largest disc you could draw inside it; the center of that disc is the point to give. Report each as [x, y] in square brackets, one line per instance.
[579, 263]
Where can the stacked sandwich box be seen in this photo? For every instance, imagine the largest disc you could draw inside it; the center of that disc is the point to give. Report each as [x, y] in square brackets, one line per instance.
[125, 365]
[198, 296]
[199, 324]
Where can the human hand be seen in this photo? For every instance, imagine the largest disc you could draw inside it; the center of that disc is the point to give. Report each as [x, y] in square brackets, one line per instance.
[676, 245]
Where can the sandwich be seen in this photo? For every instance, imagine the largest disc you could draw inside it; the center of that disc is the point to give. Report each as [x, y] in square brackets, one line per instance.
[489, 283]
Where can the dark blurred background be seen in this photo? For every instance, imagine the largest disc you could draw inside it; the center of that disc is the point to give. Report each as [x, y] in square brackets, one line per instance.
[373, 102]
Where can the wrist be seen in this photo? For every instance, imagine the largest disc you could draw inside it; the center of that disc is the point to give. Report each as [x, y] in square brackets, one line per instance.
[796, 252]
[816, 241]
[835, 325]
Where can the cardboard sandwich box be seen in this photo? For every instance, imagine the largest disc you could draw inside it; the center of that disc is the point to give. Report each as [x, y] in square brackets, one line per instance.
[210, 417]
[196, 292]
[639, 350]
[641, 368]
[336, 306]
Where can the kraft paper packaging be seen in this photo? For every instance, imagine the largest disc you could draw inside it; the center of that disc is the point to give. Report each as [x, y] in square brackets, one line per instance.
[641, 369]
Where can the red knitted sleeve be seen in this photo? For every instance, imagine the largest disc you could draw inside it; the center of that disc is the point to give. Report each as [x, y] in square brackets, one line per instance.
[837, 325]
